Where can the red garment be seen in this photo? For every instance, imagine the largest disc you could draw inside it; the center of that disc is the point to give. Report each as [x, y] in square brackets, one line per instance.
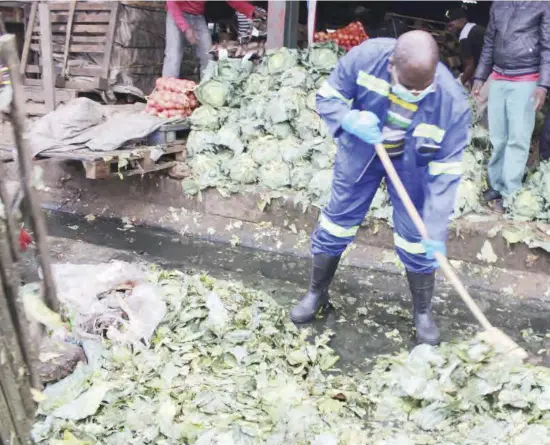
[523, 78]
[176, 8]
[25, 240]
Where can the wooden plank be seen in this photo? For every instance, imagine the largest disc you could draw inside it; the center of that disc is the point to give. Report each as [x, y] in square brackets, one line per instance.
[84, 6]
[60, 39]
[80, 29]
[35, 109]
[134, 154]
[110, 40]
[156, 168]
[68, 38]
[46, 52]
[97, 83]
[28, 37]
[82, 17]
[92, 71]
[36, 94]
[77, 48]
[97, 169]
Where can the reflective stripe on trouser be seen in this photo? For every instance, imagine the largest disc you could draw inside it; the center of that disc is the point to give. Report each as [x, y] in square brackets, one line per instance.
[349, 203]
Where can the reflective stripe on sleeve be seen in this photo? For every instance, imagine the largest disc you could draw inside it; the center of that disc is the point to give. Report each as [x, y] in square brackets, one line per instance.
[429, 131]
[328, 91]
[373, 83]
[407, 246]
[447, 168]
[335, 229]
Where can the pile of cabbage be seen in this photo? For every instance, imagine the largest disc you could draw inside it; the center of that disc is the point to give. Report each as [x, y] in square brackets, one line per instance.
[257, 130]
[257, 126]
[532, 202]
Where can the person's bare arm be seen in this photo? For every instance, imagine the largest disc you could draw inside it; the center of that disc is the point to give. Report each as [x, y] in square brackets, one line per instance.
[469, 70]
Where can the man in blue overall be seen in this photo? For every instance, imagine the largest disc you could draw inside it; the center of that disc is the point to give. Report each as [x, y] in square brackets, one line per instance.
[393, 92]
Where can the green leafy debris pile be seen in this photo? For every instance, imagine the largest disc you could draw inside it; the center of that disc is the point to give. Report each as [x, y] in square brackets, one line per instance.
[532, 202]
[227, 367]
[463, 394]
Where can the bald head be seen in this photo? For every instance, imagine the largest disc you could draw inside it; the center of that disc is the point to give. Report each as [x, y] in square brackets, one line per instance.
[415, 59]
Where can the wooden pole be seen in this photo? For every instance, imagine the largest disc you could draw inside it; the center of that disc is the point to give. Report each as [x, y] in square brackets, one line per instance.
[28, 38]
[72, 8]
[8, 52]
[421, 227]
[48, 75]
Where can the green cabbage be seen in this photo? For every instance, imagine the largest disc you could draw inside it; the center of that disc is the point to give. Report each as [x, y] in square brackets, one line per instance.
[243, 169]
[213, 92]
[201, 141]
[526, 205]
[296, 77]
[311, 100]
[323, 57]
[300, 175]
[309, 125]
[281, 60]
[292, 150]
[233, 70]
[320, 186]
[281, 131]
[264, 150]
[322, 160]
[251, 130]
[205, 118]
[285, 105]
[467, 197]
[205, 164]
[275, 175]
[229, 136]
[255, 85]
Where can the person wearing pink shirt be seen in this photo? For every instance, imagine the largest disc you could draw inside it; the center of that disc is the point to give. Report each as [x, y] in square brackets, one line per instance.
[186, 18]
[516, 58]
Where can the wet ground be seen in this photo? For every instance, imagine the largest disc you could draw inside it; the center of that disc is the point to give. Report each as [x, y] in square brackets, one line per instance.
[372, 310]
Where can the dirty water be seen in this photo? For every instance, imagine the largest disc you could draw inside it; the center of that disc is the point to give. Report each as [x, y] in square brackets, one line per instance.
[372, 310]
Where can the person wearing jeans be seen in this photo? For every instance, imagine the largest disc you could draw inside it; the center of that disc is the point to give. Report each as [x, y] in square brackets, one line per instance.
[516, 58]
[186, 18]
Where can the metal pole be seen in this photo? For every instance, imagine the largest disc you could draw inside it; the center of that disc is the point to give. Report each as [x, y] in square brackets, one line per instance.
[276, 13]
[291, 24]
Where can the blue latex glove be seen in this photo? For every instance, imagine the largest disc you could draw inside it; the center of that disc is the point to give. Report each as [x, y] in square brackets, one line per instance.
[364, 125]
[432, 247]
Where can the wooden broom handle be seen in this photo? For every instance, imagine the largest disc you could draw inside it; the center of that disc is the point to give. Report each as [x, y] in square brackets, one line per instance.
[421, 227]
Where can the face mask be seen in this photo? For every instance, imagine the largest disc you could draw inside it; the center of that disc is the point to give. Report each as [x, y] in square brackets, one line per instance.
[407, 95]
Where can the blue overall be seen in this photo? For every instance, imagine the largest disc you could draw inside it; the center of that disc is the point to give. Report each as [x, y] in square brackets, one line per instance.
[429, 163]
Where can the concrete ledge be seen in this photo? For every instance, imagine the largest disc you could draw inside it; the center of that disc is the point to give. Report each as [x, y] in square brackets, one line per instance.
[154, 199]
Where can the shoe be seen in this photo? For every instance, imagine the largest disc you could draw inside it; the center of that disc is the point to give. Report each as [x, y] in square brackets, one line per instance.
[422, 289]
[491, 195]
[497, 206]
[323, 269]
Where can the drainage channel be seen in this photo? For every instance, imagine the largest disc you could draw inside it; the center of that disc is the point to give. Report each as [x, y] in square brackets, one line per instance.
[372, 310]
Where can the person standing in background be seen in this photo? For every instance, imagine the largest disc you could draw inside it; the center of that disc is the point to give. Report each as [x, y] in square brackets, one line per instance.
[470, 37]
[186, 18]
[245, 25]
[516, 56]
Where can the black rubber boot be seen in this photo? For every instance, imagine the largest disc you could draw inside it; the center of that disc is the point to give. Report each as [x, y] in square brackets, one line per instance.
[322, 271]
[422, 290]
[491, 195]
